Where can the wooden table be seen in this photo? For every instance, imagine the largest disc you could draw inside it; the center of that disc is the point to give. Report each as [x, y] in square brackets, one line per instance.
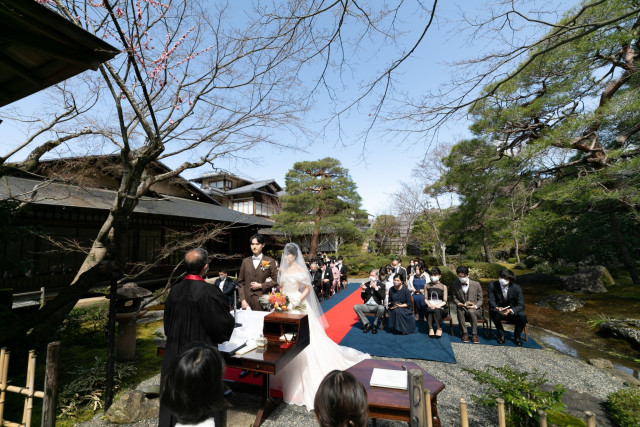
[393, 404]
[271, 359]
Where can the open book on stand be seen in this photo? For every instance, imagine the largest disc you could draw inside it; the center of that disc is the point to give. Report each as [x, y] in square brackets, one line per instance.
[389, 378]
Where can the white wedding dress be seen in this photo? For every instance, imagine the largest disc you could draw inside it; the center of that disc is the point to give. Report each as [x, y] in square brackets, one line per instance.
[300, 379]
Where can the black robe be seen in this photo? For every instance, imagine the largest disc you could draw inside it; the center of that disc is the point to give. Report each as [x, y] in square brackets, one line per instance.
[195, 311]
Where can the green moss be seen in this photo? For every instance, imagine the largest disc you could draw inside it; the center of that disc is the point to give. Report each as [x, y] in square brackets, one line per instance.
[564, 420]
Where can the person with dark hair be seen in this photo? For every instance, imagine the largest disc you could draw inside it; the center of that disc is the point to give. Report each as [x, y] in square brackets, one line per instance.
[316, 278]
[467, 296]
[326, 278]
[226, 285]
[417, 284]
[506, 302]
[373, 294]
[194, 311]
[258, 274]
[401, 308]
[192, 390]
[300, 379]
[437, 302]
[335, 272]
[411, 266]
[341, 401]
[343, 272]
[398, 268]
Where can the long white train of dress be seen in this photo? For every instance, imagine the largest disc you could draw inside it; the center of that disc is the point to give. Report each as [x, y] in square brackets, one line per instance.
[300, 379]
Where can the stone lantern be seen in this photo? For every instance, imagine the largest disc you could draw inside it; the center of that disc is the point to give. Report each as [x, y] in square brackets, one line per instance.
[129, 298]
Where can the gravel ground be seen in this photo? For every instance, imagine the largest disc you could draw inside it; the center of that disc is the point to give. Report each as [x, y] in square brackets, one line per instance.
[587, 387]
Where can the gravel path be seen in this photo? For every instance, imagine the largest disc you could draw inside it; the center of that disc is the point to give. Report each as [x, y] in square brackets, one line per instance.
[587, 387]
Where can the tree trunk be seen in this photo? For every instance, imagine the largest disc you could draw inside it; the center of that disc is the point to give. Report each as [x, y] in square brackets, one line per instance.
[516, 244]
[485, 245]
[443, 253]
[624, 252]
[313, 245]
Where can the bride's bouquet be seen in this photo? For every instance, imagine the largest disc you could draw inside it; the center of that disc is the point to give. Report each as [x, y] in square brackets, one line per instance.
[279, 300]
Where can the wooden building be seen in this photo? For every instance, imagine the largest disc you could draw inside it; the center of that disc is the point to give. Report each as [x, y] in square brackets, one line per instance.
[260, 198]
[70, 199]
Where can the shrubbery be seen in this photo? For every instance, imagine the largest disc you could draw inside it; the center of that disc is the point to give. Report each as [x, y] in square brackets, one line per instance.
[485, 270]
[624, 407]
[448, 276]
[520, 391]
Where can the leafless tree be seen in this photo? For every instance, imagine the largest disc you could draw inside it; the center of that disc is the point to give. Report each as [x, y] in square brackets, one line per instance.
[196, 81]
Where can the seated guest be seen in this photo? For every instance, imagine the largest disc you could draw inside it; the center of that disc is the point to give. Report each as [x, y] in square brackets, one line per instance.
[335, 286]
[341, 401]
[343, 272]
[506, 302]
[412, 264]
[398, 268]
[400, 308]
[467, 296]
[193, 389]
[226, 284]
[372, 293]
[386, 276]
[326, 277]
[417, 284]
[436, 299]
[316, 278]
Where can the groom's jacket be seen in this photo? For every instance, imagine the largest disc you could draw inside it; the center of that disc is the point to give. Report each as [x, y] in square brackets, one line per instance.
[368, 292]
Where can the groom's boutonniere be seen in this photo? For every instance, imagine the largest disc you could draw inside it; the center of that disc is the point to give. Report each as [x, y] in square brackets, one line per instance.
[265, 264]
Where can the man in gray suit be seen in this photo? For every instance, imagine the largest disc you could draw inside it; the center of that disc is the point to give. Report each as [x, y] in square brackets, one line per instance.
[467, 295]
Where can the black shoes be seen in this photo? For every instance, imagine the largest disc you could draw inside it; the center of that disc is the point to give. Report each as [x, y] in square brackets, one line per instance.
[518, 342]
[366, 328]
[243, 374]
[501, 340]
[374, 329]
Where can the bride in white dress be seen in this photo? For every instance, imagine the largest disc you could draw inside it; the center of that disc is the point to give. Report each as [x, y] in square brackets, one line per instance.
[300, 379]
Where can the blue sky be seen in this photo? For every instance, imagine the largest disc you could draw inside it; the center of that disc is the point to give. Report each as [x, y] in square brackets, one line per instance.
[380, 163]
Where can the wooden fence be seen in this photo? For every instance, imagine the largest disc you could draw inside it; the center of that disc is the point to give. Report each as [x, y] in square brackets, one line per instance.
[48, 396]
[420, 407]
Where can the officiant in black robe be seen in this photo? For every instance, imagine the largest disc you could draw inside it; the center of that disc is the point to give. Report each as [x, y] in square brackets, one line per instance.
[194, 312]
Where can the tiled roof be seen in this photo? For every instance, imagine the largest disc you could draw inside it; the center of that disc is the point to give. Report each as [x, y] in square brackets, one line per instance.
[62, 194]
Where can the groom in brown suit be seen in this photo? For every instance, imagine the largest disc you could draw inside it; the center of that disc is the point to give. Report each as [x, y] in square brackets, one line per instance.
[258, 274]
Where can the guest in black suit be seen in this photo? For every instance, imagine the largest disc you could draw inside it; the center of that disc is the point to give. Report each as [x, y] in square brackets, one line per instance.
[316, 278]
[343, 272]
[372, 293]
[326, 278]
[226, 284]
[399, 269]
[507, 302]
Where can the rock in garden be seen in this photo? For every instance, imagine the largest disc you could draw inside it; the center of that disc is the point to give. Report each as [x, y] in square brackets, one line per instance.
[132, 407]
[538, 279]
[628, 329]
[601, 363]
[588, 279]
[561, 302]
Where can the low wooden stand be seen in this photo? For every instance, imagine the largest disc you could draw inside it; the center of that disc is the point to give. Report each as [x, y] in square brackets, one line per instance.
[273, 358]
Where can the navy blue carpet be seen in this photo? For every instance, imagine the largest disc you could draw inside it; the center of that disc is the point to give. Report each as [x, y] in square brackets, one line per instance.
[415, 346]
